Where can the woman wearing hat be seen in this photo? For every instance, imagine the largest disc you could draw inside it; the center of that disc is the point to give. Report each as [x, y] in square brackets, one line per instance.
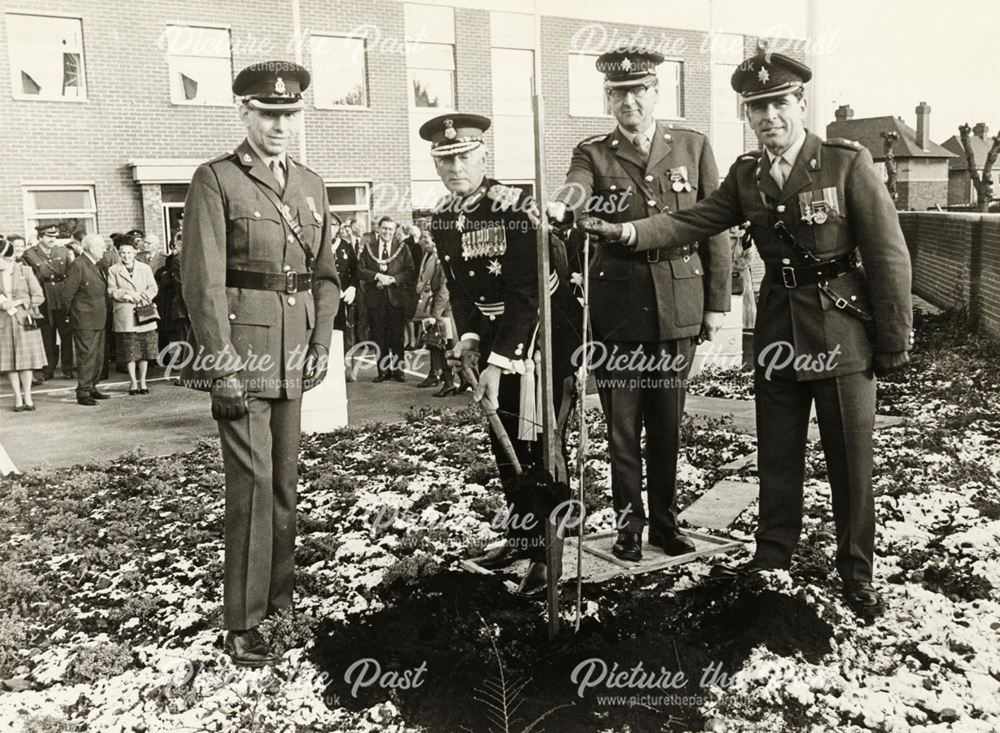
[131, 284]
[21, 348]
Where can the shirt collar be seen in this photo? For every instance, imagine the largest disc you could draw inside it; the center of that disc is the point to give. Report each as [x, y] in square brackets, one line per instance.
[649, 132]
[792, 153]
[268, 158]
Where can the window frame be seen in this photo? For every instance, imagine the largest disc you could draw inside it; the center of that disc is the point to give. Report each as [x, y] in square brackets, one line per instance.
[32, 215]
[15, 82]
[364, 71]
[363, 206]
[178, 102]
[609, 114]
[411, 68]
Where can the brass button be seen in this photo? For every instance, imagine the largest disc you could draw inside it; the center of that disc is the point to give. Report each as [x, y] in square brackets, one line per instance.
[600, 274]
[854, 297]
[651, 203]
[649, 178]
[482, 297]
[291, 300]
[447, 257]
[257, 214]
[232, 316]
[781, 209]
[697, 272]
[786, 261]
[291, 238]
[687, 257]
[614, 187]
[286, 268]
[667, 137]
[472, 273]
[493, 318]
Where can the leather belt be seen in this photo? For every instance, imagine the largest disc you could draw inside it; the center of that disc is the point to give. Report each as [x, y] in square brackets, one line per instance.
[797, 277]
[617, 252]
[279, 282]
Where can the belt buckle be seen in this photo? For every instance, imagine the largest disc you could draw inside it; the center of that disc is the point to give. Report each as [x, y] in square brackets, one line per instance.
[652, 255]
[788, 277]
[291, 286]
[841, 303]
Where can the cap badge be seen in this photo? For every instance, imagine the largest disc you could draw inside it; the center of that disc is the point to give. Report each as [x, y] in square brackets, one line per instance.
[279, 86]
[626, 64]
[763, 75]
[449, 130]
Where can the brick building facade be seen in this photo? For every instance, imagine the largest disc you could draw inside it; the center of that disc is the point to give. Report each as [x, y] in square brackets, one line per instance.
[113, 105]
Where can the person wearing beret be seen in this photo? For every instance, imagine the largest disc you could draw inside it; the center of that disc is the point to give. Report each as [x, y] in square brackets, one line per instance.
[486, 240]
[21, 348]
[259, 279]
[50, 263]
[658, 304]
[834, 311]
[86, 292]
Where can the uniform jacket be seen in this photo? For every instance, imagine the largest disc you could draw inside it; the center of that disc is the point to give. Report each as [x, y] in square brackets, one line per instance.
[121, 283]
[237, 218]
[86, 292]
[347, 264]
[399, 266]
[24, 287]
[632, 299]
[859, 215]
[55, 264]
[487, 246]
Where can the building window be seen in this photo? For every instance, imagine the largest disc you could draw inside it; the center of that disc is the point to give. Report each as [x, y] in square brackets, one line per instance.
[728, 104]
[46, 57]
[70, 207]
[432, 75]
[339, 71]
[588, 99]
[350, 201]
[199, 62]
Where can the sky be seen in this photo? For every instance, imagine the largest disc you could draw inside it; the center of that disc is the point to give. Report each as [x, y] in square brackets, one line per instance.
[889, 55]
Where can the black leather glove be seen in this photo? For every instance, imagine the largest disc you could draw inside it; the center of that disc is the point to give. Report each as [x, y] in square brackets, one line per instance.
[560, 218]
[316, 364]
[603, 230]
[887, 362]
[229, 399]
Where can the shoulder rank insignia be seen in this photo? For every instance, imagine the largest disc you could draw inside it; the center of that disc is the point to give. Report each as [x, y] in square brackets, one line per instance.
[505, 196]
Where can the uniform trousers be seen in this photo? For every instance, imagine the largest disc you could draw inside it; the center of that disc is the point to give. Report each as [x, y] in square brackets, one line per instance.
[56, 323]
[845, 410]
[630, 399]
[260, 453]
[89, 345]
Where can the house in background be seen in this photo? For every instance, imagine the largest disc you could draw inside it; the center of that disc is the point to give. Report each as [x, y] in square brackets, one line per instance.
[921, 165]
[959, 180]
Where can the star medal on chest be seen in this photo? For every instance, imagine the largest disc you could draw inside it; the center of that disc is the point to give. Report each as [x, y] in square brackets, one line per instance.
[460, 221]
[816, 206]
[679, 179]
[495, 268]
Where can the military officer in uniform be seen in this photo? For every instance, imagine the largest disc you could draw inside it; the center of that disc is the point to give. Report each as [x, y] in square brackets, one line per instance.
[834, 306]
[259, 279]
[347, 272]
[655, 303]
[50, 263]
[486, 243]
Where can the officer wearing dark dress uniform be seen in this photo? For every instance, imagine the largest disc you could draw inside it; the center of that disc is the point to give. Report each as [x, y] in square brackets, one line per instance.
[834, 306]
[260, 284]
[486, 244]
[657, 303]
[50, 263]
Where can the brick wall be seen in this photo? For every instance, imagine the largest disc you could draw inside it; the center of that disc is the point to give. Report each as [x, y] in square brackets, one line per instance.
[959, 188]
[921, 195]
[956, 262]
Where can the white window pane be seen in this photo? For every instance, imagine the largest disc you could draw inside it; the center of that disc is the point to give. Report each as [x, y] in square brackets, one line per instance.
[429, 23]
[433, 88]
[338, 71]
[586, 87]
[204, 80]
[670, 74]
[512, 30]
[431, 56]
[512, 74]
[46, 56]
[181, 40]
[81, 200]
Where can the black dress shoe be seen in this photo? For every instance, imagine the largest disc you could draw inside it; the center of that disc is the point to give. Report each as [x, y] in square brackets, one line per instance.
[628, 547]
[380, 378]
[88, 401]
[446, 389]
[133, 392]
[431, 380]
[143, 390]
[862, 598]
[20, 408]
[672, 543]
[100, 395]
[29, 408]
[535, 582]
[248, 649]
[750, 567]
[499, 557]
[398, 377]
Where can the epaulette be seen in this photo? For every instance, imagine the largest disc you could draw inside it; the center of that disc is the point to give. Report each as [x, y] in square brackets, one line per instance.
[753, 155]
[842, 142]
[594, 138]
[506, 196]
[671, 126]
[224, 156]
[303, 166]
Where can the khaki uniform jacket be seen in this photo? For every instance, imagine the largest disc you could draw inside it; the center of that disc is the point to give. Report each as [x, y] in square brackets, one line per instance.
[632, 299]
[859, 215]
[237, 218]
[48, 268]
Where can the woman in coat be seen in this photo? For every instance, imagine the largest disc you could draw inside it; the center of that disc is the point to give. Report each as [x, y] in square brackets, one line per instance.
[131, 284]
[21, 348]
[433, 313]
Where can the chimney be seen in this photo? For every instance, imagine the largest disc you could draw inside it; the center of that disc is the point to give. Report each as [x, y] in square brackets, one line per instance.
[844, 113]
[981, 130]
[923, 125]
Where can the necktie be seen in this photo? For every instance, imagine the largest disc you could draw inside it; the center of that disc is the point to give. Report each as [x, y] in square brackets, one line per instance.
[779, 170]
[279, 173]
[385, 251]
[642, 145]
